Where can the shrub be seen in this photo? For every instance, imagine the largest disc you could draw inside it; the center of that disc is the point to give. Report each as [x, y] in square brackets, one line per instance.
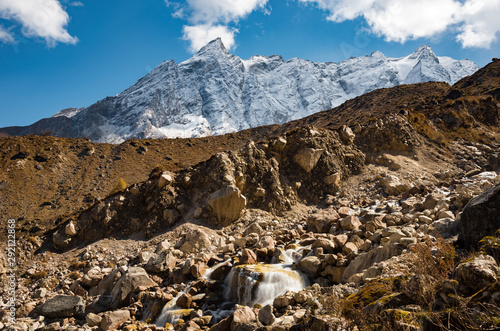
[120, 186]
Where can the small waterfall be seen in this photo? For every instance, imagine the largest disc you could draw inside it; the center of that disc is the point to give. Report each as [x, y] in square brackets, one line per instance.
[171, 313]
[261, 283]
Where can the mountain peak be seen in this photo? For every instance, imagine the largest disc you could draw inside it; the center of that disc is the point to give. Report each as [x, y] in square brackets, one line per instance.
[424, 52]
[215, 92]
[215, 45]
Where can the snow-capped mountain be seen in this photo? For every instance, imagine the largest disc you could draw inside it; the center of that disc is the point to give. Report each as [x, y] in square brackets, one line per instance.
[215, 92]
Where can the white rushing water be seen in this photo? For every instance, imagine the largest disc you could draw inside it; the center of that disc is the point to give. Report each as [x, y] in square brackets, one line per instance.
[261, 283]
[248, 284]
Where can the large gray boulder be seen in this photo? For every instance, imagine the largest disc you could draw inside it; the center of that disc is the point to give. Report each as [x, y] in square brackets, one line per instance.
[481, 217]
[62, 306]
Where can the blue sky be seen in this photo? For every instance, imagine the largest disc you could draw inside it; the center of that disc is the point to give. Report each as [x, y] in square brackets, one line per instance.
[60, 54]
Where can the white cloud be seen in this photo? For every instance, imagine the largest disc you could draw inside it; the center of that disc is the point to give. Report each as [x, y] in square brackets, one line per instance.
[401, 20]
[226, 11]
[6, 36]
[39, 18]
[481, 23]
[200, 35]
[210, 19]
[76, 4]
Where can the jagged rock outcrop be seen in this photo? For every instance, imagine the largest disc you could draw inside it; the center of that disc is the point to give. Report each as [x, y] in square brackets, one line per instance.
[216, 191]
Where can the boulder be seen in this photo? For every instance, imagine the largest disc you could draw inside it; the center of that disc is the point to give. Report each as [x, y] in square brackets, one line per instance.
[157, 263]
[393, 186]
[70, 229]
[327, 245]
[478, 272]
[310, 265]
[481, 216]
[226, 205]
[131, 280]
[346, 211]
[184, 301]
[266, 315]
[114, 320]
[242, 315]
[62, 306]
[350, 223]
[284, 300]
[322, 221]
[93, 319]
[307, 158]
[366, 260]
[165, 179]
[196, 240]
[248, 257]
[334, 179]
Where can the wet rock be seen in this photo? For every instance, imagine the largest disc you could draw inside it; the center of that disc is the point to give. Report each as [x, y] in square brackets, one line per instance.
[481, 216]
[184, 301]
[310, 265]
[266, 315]
[134, 278]
[114, 320]
[62, 306]
[477, 273]
[226, 205]
[307, 158]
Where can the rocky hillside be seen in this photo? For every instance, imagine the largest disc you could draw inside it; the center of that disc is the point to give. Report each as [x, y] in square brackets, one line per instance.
[379, 214]
[215, 92]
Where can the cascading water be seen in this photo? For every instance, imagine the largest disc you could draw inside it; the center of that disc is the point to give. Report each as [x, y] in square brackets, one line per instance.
[171, 313]
[248, 284]
[261, 283]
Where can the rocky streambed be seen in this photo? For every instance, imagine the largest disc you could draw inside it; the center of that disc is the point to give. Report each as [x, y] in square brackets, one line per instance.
[310, 268]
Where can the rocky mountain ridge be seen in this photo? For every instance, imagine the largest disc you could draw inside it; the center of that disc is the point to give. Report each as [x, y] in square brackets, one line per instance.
[215, 92]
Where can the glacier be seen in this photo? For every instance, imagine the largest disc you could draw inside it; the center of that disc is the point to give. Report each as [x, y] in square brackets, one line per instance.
[215, 92]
